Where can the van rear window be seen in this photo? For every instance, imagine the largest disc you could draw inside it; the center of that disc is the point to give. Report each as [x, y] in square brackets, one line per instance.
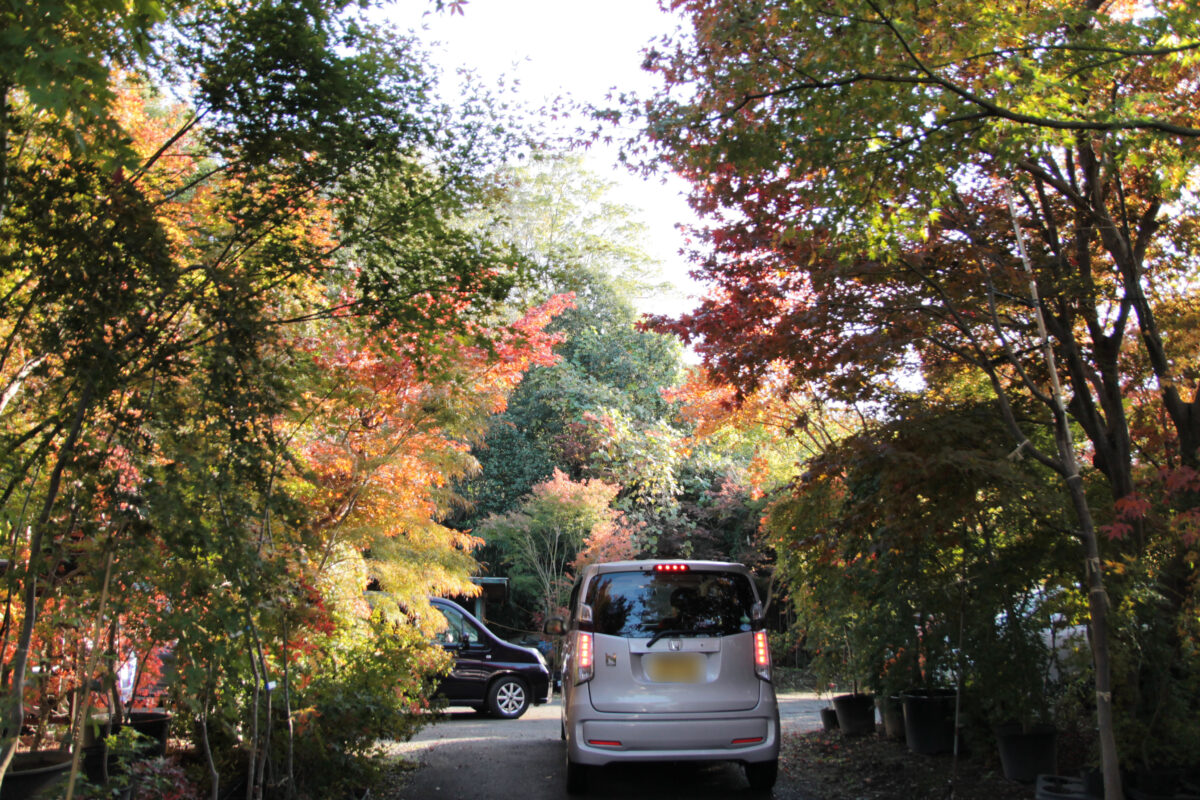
[640, 604]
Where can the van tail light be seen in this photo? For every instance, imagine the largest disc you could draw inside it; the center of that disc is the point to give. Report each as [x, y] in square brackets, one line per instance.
[585, 657]
[762, 655]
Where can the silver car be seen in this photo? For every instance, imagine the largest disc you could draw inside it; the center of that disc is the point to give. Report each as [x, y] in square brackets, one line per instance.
[667, 661]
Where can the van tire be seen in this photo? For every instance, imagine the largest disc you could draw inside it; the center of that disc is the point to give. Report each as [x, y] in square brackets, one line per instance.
[508, 697]
[762, 775]
[577, 777]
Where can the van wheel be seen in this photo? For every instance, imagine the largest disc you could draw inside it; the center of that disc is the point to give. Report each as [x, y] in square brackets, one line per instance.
[762, 775]
[508, 697]
[577, 777]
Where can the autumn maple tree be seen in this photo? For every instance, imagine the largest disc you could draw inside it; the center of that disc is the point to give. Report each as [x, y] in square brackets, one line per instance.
[383, 446]
[560, 527]
[854, 162]
[193, 283]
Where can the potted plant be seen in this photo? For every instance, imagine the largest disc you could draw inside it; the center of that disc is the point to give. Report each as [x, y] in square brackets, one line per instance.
[32, 771]
[829, 717]
[932, 702]
[1014, 687]
[855, 710]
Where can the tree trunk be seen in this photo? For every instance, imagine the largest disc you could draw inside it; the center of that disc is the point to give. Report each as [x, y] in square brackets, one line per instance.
[1093, 568]
[93, 657]
[287, 708]
[16, 708]
[214, 777]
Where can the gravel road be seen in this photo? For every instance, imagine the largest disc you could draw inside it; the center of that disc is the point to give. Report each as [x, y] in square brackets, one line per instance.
[471, 756]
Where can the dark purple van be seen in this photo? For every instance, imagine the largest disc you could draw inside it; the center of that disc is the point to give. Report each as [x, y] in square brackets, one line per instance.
[489, 674]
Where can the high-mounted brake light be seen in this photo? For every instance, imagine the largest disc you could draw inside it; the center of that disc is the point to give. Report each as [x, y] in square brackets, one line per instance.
[670, 567]
[585, 658]
[762, 655]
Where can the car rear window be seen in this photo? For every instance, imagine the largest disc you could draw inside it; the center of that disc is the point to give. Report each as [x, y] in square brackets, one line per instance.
[640, 604]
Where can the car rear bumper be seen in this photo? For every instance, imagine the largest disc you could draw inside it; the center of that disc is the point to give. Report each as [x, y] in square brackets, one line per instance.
[596, 738]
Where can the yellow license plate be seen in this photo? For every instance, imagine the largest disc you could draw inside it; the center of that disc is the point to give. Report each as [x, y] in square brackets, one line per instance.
[674, 667]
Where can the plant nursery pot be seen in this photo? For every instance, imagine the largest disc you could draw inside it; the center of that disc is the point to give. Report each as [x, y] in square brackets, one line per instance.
[1057, 787]
[929, 720]
[891, 711]
[829, 719]
[1157, 784]
[98, 764]
[855, 713]
[1093, 782]
[153, 723]
[31, 772]
[1027, 753]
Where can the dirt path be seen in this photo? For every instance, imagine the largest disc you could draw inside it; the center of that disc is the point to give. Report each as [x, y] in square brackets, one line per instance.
[470, 756]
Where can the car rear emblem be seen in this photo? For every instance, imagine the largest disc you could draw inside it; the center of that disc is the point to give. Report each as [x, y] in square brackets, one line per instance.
[610, 659]
[674, 644]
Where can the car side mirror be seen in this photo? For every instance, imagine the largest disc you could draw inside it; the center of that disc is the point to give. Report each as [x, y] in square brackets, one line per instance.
[555, 626]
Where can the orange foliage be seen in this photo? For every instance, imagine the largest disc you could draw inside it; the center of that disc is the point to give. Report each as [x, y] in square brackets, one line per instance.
[384, 446]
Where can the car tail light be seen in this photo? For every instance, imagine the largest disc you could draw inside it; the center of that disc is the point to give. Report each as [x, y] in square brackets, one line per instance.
[585, 658]
[670, 567]
[762, 655]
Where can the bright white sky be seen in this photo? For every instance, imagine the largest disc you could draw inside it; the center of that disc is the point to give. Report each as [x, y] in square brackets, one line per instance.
[576, 48]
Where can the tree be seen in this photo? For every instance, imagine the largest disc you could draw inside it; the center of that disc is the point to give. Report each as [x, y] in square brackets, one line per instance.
[559, 524]
[385, 439]
[852, 158]
[162, 264]
[58, 57]
[561, 218]
[571, 239]
[911, 538]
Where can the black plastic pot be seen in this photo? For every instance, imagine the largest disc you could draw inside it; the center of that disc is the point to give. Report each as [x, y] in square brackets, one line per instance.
[154, 724]
[929, 720]
[855, 713]
[891, 711]
[1026, 753]
[98, 764]
[829, 720]
[1057, 787]
[31, 772]
[1158, 784]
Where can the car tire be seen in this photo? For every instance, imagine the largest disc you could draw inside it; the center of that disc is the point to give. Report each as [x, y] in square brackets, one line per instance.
[508, 697]
[762, 775]
[577, 777]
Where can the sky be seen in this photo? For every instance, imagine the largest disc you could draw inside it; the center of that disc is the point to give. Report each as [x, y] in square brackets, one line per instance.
[576, 48]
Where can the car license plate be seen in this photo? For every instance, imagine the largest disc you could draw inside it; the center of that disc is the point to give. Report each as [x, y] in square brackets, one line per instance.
[674, 667]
